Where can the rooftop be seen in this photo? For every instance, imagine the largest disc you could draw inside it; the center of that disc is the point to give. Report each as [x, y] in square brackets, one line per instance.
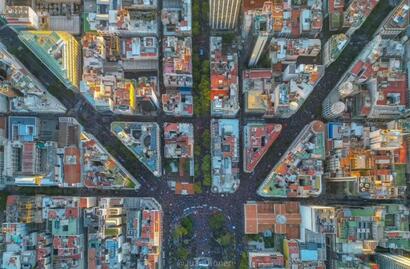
[283, 18]
[334, 47]
[299, 172]
[177, 103]
[177, 61]
[357, 12]
[109, 17]
[262, 259]
[177, 19]
[224, 79]
[258, 137]
[139, 48]
[284, 218]
[289, 50]
[143, 140]
[400, 17]
[57, 152]
[51, 231]
[106, 59]
[376, 86]
[225, 155]
[60, 51]
[298, 82]
[381, 152]
[335, 9]
[21, 16]
[258, 91]
[100, 169]
[179, 145]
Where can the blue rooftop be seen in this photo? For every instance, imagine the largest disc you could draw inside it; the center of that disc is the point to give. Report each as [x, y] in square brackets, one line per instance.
[24, 129]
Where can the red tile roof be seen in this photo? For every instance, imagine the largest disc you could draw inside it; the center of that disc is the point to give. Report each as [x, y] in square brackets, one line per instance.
[72, 165]
[398, 87]
[3, 123]
[279, 218]
[253, 4]
[271, 133]
[267, 261]
[184, 188]
[336, 5]
[295, 22]
[29, 158]
[357, 68]
[257, 73]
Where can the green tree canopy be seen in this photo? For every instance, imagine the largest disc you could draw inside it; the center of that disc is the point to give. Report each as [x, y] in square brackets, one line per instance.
[217, 221]
[179, 232]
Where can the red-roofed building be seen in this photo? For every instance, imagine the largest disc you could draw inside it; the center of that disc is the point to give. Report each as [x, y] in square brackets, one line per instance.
[224, 79]
[150, 223]
[73, 212]
[29, 159]
[257, 140]
[92, 259]
[393, 91]
[253, 4]
[184, 188]
[265, 259]
[277, 218]
[295, 22]
[336, 5]
[72, 166]
[357, 68]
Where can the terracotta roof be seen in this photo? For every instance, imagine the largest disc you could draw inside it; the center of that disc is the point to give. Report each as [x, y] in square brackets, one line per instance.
[357, 67]
[2, 122]
[278, 218]
[72, 165]
[184, 188]
[252, 4]
[257, 73]
[267, 261]
[92, 261]
[83, 202]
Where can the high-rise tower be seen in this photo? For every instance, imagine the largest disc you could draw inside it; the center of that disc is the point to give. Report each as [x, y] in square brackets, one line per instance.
[224, 14]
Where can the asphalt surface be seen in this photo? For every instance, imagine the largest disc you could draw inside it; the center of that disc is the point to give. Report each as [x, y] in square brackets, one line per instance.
[173, 206]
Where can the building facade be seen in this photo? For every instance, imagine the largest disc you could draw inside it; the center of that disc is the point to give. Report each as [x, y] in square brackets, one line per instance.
[224, 14]
[390, 261]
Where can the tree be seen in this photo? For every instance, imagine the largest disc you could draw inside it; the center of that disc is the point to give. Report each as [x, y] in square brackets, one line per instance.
[217, 221]
[206, 138]
[205, 68]
[196, 169]
[197, 150]
[197, 187]
[244, 260]
[188, 224]
[205, 97]
[195, 10]
[226, 240]
[206, 165]
[205, 10]
[179, 232]
[196, 28]
[197, 105]
[207, 181]
[196, 64]
[265, 61]
[182, 254]
[227, 38]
